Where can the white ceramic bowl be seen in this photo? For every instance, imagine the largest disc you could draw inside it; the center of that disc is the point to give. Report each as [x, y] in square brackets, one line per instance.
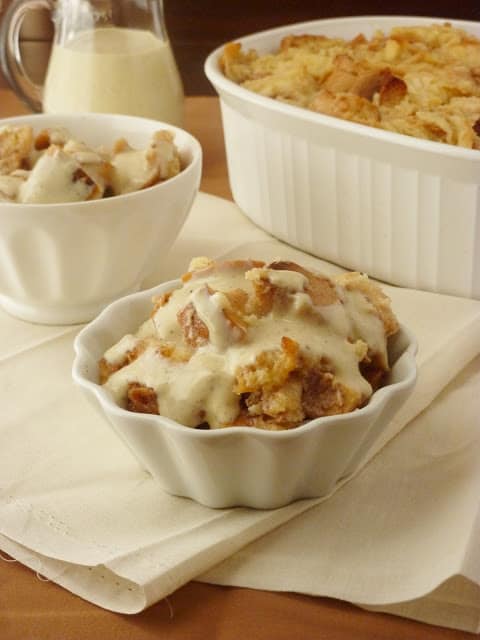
[239, 466]
[62, 263]
[404, 210]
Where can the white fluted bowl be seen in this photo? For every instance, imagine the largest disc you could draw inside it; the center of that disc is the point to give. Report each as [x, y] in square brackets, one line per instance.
[240, 466]
[63, 263]
[403, 210]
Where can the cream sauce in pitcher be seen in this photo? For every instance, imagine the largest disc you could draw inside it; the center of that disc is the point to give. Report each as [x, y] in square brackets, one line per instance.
[108, 56]
[115, 70]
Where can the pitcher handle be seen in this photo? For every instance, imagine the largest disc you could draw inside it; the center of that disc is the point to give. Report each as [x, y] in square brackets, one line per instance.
[10, 58]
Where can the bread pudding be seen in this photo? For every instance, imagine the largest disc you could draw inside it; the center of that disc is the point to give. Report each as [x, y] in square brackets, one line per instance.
[53, 166]
[244, 343]
[421, 81]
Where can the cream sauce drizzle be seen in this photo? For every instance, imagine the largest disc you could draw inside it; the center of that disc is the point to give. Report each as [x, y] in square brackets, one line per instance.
[117, 353]
[202, 388]
[290, 280]
[52, 180]
[210, 309]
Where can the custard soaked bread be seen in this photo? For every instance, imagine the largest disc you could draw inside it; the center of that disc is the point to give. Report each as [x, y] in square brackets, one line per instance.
[262, 345]
[52, 166]
[422, 81]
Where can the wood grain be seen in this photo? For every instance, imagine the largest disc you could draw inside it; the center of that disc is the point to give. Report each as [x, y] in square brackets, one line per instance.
[35, 610]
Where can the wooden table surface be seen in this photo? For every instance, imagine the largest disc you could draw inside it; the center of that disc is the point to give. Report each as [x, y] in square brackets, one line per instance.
[32, 609]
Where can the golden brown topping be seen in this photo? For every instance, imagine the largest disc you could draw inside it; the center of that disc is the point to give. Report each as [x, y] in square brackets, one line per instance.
[264, 346]
[121, 145]
[58, 166]
[107, 368]
[392, 91]
[162, 157]
[267, 296]
[270, 369]
[324, 395]
[347, 106]
[244, 419]
[173, 351]
[42, 141]
[320, 288]
[355, 281]
[141, 399]
[197, 264]
[195, 332]
[205, 267]
[236, 320]
[407, 81]
[235, 62]
[305, 41]
[373, 370]
[282, 405]
[55, 135]
[160, 301]
[16, 144]
[80, 175]
[237, 299]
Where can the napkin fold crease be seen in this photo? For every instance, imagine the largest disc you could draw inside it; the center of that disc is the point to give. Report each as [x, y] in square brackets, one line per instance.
[402, 536]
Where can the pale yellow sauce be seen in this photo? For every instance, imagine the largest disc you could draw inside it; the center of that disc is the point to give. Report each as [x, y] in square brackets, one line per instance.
[52, 181]
[114, 70]
[201, 390]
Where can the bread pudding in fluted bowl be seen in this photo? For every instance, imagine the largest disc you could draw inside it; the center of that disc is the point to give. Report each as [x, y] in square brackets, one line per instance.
[249, 384]
[358, 140]
[89, 206]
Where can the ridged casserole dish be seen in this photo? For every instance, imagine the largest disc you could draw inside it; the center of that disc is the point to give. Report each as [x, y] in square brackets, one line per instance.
[402, 209]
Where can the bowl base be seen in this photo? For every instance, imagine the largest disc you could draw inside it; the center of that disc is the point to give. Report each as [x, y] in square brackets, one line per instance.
[59, 314]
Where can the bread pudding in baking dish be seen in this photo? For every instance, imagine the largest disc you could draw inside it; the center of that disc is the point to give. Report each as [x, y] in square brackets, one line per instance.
[247, 343]
[421, 81]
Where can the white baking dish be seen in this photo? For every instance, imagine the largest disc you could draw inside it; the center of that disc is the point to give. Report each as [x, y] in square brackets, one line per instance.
[404, 210]
[240, 466]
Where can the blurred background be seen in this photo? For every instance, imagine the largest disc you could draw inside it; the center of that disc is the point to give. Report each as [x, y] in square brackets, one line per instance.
[198, 26]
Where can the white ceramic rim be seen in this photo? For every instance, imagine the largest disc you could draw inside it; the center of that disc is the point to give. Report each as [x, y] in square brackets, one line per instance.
[222, 84]
[376, 402]
[193, 146]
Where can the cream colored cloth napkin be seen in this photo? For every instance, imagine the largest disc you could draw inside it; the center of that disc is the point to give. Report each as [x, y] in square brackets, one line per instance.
[403, 537]
[76, 507]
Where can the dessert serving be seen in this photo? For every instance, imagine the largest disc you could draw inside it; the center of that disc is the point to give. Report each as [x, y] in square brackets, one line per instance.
[244, 343]
[69, 248]
[397, 200]
[55, 167]
[419, 80]
[258, 349]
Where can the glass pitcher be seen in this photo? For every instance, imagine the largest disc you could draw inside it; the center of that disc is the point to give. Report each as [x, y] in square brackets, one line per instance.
[110, 56]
